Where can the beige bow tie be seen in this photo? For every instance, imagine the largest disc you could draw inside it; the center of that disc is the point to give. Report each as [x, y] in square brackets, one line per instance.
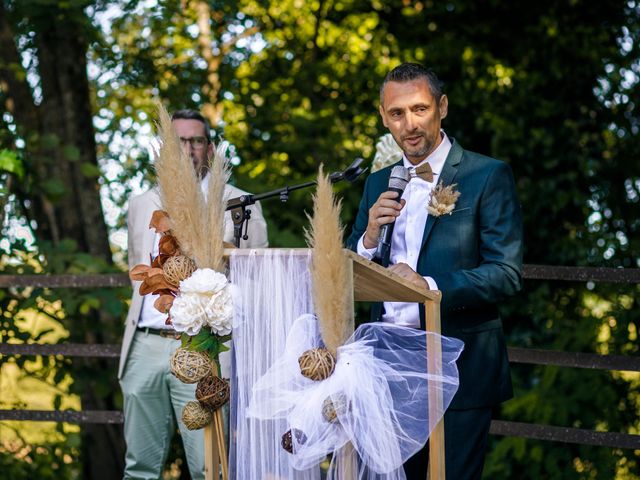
[423, 171]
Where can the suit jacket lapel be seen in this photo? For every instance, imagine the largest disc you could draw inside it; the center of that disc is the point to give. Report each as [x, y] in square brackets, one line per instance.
[447, 177]
[149, 234]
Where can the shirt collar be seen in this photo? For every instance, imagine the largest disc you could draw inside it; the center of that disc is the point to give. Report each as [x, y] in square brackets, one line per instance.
[436, 159]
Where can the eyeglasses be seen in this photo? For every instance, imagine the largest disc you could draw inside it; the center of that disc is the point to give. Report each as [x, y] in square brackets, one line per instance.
[197, 143]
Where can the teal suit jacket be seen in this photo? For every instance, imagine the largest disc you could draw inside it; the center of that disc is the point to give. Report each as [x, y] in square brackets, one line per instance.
[475, 257]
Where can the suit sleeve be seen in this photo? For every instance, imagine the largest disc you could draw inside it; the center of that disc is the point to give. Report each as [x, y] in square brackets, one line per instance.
[132, 242]
[499, 271]
[362, 218]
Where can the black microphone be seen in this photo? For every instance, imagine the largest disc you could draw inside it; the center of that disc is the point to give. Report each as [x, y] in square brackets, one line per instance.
[397, 183]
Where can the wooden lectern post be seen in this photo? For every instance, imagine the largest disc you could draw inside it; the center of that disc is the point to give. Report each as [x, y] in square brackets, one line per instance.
[373, 283]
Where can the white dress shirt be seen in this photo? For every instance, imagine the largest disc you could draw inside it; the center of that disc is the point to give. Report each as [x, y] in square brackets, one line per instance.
[406, 240]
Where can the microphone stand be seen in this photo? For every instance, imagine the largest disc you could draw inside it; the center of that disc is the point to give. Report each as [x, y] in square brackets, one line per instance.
[241, 215]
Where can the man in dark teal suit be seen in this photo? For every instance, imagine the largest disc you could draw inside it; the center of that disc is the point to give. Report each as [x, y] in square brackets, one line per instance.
[473, 254]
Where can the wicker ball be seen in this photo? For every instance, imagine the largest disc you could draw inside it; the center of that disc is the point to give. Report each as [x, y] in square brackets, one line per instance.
[333, 406]
[195, 416]
[317, 363]
[212, 392]
[177, 268]
[190, 366]
[287, 439]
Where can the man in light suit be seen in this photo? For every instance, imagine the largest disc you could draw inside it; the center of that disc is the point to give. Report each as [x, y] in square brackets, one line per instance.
[473, 255]
[153, 397]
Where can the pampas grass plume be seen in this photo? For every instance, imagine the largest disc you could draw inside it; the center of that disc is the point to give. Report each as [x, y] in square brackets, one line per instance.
[180, 191]
[330, 275]
[219, 174]
[196, 222]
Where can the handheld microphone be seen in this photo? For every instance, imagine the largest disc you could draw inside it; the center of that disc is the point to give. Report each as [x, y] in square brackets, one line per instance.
[397, 183]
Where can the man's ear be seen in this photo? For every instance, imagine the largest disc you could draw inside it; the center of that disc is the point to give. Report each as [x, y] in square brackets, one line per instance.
[381, 110]
[444, 106]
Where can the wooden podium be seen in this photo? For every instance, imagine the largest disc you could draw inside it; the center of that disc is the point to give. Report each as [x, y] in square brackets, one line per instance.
[370, 283]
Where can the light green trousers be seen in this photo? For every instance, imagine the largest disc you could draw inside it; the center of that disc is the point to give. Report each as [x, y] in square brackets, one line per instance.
[153, 402]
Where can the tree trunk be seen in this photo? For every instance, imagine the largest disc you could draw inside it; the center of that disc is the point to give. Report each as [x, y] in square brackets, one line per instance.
[62, 194]
[66, 112]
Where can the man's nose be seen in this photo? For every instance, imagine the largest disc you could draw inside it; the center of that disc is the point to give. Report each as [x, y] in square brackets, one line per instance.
[187, 148]
[410, 121]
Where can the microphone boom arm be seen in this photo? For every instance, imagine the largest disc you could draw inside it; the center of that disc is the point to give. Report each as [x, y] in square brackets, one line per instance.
[240, 214]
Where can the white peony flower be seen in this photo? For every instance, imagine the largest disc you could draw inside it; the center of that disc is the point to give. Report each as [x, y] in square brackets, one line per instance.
[387, 153]
[205, 281]
[188, 314]
[204, 299]
[219, 312]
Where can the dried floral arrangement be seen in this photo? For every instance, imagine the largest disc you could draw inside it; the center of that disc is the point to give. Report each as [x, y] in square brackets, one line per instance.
[188, 274]
[197, 300]
[443, 200]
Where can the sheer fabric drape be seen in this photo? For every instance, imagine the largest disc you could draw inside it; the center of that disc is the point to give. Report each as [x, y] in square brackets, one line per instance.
[272, 289]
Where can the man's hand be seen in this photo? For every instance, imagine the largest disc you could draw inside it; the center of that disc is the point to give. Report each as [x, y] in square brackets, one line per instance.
[384, 211]
[405, 271]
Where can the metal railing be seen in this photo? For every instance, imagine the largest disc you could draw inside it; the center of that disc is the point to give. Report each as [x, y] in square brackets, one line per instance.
[498, 427]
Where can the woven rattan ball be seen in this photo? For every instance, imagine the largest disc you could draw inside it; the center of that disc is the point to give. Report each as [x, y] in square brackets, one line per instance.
[333, 406]
[287, 439]
[212, 392]
[317, 363]
[177, 268]
[195, 416]
[190, 366]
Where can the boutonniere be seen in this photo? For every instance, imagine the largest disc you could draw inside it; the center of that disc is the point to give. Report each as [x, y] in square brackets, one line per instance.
[443, 199]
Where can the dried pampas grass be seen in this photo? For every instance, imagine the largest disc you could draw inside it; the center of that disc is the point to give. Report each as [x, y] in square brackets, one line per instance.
[330, 273]
[219, 174]
[196, 222]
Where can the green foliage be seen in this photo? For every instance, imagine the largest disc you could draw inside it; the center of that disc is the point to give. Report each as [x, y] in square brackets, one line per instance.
[45, 462]
[206, 341]
[10, 163]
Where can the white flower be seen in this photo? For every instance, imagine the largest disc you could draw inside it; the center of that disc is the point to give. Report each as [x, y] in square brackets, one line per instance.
[387, 153]
[187, 314]
[219, 311]
[204, 299]
[204, 281]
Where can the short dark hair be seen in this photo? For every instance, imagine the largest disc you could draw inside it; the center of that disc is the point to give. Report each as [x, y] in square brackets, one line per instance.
[407, 72]
[188, 114]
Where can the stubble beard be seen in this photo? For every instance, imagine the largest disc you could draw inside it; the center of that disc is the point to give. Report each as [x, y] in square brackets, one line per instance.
[418, 153]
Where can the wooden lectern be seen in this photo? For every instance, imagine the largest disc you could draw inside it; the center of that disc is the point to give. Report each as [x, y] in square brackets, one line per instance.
[371, 283]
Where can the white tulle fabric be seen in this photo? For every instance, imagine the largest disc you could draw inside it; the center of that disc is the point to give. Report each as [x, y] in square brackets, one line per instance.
[273, 289]
[380, 377]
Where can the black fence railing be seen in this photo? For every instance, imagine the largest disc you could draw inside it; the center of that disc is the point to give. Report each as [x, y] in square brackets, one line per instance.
[516, 355]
